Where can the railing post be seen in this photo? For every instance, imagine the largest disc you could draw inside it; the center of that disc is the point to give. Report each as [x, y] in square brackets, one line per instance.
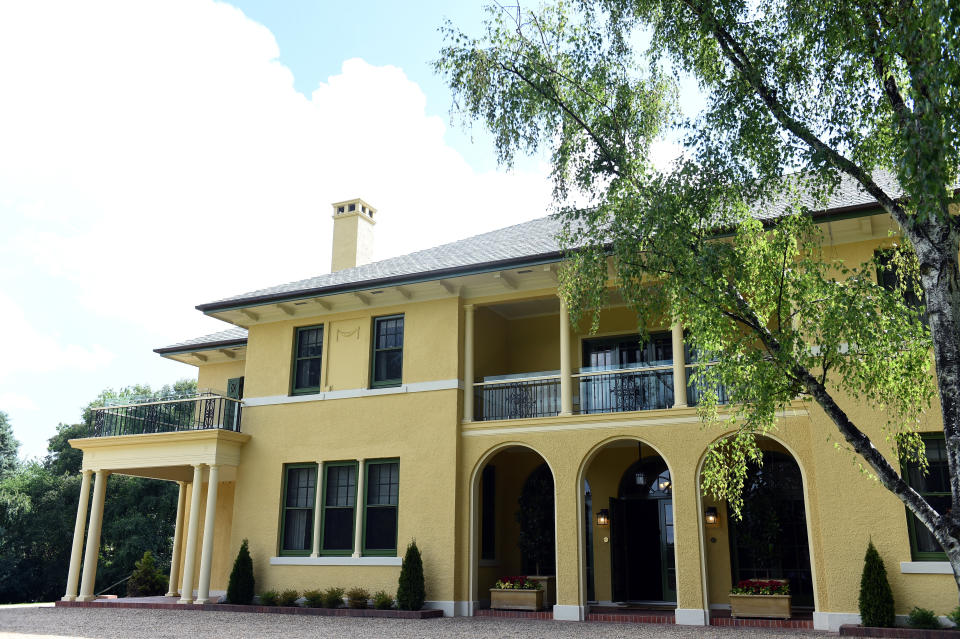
[566, 379]
[679, 368]
[468, 363]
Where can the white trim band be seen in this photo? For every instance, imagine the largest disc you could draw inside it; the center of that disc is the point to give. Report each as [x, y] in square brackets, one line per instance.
[415, 387]
[926, 568]
[336, 561]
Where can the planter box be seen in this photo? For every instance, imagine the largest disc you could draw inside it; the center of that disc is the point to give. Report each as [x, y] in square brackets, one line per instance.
[767, 606]
[548, 583]
[510, 599]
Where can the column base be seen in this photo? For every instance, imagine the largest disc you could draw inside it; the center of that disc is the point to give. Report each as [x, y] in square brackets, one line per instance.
[86, 598]
[691, 617]
[680, 406]
[172, 594]
[202, 601]
[68, 598]
[184, 600]
[568, 613]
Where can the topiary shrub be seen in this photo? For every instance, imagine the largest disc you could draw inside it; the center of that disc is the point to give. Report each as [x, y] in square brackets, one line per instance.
[923, 618]
[313, 599]
[240, 588]
[332, 597]
[382, 600]
[288, 598]
[954, 616]
[411, 592]
[269, 598]
[147, 580]
[357, 597]
[876, 598]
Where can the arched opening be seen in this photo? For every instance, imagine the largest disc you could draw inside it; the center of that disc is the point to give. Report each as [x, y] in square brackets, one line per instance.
[629, 538]
[771, 541]
[516, 529]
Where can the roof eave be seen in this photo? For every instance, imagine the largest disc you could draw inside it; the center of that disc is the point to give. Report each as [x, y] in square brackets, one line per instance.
[209, 346]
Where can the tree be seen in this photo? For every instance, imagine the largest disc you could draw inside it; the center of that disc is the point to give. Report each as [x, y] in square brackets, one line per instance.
[876, 597]
[802, 99]
[146, 580]
[411, 591]
[8, 446]
[240, 589]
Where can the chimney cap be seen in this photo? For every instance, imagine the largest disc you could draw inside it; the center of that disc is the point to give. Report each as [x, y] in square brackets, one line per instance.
[356, 206]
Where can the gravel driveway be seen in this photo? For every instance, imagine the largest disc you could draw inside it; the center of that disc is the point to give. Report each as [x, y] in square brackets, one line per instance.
[155, 624]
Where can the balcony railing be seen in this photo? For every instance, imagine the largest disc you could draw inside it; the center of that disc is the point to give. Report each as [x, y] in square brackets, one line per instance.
[625, 390]
[204, 411]
[517, 397]
[695, 389]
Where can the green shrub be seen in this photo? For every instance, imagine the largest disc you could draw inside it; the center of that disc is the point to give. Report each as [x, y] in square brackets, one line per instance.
[923, 618]
[876, 598]
[332, 597]
[357, 597]
[382, 601]
[288, 598]
[954, 616]
[313, 599]
[147, 580]
[240, 587]
[411, 592]
[269, 598]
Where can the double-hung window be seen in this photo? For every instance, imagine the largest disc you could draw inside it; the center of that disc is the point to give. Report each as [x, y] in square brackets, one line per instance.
[387, 365]
[934, 486]
[308, 359]
[380, 504]
[299, 498]
[339, 503]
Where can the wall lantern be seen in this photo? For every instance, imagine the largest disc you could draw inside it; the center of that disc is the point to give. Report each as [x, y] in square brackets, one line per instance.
[711, 516]
[603, 517]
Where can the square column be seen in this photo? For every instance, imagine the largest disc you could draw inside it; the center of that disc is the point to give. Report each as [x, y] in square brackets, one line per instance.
[468, 332]
[206, 554]
[358, 505]
[317, 505]
[190, 558]
[689, 552]
[93, 538]
[173, 589]
[566, 379]
[569, 606]
[73, 574]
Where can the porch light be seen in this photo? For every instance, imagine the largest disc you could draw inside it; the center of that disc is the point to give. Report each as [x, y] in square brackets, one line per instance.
[603, 517]
[711, 516]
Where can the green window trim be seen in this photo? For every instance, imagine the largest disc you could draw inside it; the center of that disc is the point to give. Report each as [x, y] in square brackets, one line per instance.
[376, 349]
[912, 524]
[380, 552]
[298, 358]
[284, 508]
[327, 466]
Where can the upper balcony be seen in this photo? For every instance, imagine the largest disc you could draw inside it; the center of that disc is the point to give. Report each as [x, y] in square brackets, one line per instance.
[202, 411]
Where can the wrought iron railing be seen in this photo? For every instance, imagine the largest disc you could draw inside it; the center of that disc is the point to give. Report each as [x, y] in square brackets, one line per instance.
[199, 412]
[625, 390]
[696, 388]
[517, 398]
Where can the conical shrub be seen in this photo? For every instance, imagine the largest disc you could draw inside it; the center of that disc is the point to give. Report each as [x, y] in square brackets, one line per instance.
[240, 588]
[411, 592]
[147, 580]
[876, 598]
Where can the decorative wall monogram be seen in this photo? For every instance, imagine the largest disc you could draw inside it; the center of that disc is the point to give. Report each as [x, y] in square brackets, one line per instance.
[355, 333]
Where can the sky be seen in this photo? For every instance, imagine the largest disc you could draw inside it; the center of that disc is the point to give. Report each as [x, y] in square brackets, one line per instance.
[159, 154]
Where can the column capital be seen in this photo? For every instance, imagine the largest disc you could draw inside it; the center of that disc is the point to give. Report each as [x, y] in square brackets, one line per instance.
[468, 307]
[86, 471]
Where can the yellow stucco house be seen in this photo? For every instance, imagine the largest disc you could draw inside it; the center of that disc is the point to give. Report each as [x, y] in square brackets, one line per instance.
[425, 396]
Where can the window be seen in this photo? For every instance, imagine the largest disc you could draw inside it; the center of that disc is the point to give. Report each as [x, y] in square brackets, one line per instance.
[488, 521]
[380, 516]
[387, 351]
[308, 359]
[339, 501]
[299, 490]
[889, 278]
[935, 488]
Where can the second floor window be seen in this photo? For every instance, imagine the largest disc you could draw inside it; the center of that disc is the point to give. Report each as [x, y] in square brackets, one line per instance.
[308, 359]
[387, 362]
[888, 277]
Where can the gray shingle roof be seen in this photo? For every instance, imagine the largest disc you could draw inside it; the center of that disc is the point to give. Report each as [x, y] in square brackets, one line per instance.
[231, 336]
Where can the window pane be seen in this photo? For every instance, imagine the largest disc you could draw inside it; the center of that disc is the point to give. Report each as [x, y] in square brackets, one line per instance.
[341, 486]
[381, 533]
[308, 373]
[296, 529]
[925, 540]
[388, 365]
[301, 483]
[384, 484]
[338, 529]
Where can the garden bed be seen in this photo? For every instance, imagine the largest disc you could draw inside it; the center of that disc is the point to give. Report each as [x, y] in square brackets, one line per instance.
[279, 610]
[850, 630]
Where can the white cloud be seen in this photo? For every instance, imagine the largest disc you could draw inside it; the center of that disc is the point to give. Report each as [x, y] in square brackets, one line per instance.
[156, 156]
[10, 402]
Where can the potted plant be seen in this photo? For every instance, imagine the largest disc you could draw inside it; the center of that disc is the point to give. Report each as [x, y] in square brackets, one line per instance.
[516, 593]
[761, 598]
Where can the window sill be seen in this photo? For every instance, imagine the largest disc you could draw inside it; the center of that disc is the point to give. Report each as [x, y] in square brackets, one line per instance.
[336, 561]
[926, 568]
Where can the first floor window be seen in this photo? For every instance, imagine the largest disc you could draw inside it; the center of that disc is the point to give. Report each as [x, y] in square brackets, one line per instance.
[380, 517]
[934, 486]
[299, 498]
[339, 502]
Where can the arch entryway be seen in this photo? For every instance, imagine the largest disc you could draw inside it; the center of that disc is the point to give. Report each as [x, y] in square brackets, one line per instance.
[629, 543]
[514, 516]
[772, 540]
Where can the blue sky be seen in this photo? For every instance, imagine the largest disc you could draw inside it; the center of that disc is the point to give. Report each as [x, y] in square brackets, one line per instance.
[160, 154]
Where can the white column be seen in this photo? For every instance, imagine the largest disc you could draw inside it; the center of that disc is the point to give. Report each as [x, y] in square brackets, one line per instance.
[566, 379]
[358, 508]
[679, 368]
[93, 538]
[209, 522]
[317, 505]
[173, 589]
[73, 575]
[468, 363]
[190, 558]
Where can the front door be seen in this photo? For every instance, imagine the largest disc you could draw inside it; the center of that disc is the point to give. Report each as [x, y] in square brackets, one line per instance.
[642, 566]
